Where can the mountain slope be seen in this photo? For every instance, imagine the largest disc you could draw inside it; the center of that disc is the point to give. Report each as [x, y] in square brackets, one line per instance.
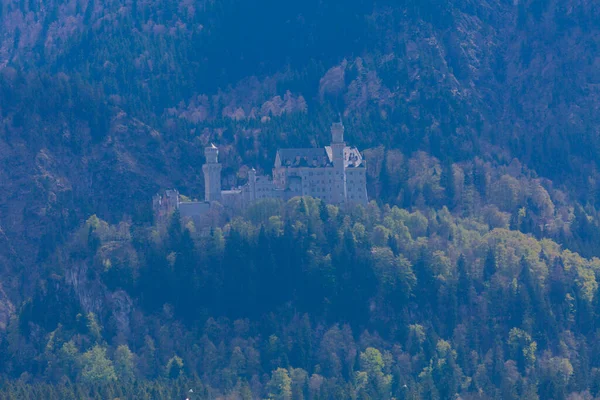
[478, 121]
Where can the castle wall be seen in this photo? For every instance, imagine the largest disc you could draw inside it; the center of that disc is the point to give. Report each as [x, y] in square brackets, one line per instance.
[327, 183]
[193, 208]
[265, 188]
[294, 187]
[318, 183]
[164, 205]
[233, 199]
[280, 177]
[336, 174]
[356, 185]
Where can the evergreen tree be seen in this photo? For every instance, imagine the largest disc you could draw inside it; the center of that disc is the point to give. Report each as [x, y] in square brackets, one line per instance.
[174, 367]
[323, 212]
[489, 267]
[447, 182]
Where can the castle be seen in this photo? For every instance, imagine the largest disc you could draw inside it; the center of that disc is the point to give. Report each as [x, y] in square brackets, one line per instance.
[335, 173]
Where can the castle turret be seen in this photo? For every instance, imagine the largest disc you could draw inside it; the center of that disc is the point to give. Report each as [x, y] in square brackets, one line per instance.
[252, 183]
[164, 205]
[337, 132]
[212, 174]
[337, 149]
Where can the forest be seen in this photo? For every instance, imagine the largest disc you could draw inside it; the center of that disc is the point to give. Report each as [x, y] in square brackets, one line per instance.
[472, 273]
[303, 300]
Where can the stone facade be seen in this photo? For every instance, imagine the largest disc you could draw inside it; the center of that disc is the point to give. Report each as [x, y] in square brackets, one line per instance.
[212, 174]
[166, 203]
[336, 174]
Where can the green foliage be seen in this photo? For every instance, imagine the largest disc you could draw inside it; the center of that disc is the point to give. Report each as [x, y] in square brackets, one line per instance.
[93, 327]
[124, 363]
[522, 347]
[372, 365]
[393, 303]
[375, 302]
[280, 385]
[424, 293]
[174, 367]
[96, 367]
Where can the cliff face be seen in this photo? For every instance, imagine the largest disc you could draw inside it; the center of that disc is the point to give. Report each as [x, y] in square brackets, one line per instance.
[104, 103]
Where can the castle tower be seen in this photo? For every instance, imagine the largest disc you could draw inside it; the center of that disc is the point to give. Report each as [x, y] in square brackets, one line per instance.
[337, 148]
[164, 205]
[252, 184]
[212, 174]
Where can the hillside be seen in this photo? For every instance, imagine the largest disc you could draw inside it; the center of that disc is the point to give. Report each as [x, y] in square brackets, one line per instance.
[479, 124]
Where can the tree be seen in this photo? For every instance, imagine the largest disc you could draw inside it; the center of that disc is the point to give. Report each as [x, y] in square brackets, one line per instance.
[448, 376]
[97, 368]
[93, 327]
[522, 348]
[239, 286]
[237, 362]
[323, 212]
[299, 379]
[174, 231]
[124, 363]
[280, 385]
[381, 235]
[427, 388]
[371, 362]
[555, 374]
[480, 178]
[69, 359]
[395, 276]
[447, 181]
[464, 282]
[174, 367]
[489, 267]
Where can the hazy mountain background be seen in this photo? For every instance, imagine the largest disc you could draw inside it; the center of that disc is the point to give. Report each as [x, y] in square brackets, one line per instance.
[487, 108]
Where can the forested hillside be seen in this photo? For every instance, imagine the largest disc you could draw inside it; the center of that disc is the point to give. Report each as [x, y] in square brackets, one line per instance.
[304, 300]
[472, 272]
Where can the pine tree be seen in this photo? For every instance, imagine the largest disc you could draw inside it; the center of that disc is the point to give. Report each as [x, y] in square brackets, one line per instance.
[489, 266]
[447, 182]
[323, 212]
